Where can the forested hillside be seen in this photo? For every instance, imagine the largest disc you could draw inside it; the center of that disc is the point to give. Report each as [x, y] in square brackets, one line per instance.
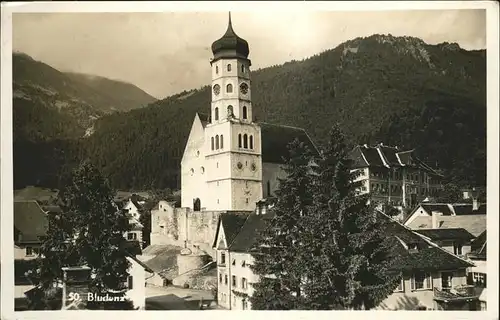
[396, 90]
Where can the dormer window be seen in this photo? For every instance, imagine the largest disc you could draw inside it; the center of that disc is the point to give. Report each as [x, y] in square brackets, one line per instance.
[413, 247]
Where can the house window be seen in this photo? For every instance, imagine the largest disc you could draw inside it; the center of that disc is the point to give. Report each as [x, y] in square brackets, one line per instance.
[239, 141]
[130, 282]
[479, 279]
[446, 280]
[234, 262]
[244, 112]
[243, 283]
[401, 286]
[245, 141]
[131, 236]
[225, 279]
[216, 113]
[223, 258]
[457, 248]
[29, 251]
[244, 264]
[220, 277]
[36, 250]
[244, 304]
[229, 67]
[234, 281]
[217, 142]
[421, 281]
[221, 142]
[251, 142]
[229, 88]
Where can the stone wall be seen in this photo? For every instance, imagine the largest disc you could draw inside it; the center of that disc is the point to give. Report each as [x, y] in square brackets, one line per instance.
[182, 226]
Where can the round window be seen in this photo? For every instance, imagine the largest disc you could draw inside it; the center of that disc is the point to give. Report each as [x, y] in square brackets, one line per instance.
[240, 165]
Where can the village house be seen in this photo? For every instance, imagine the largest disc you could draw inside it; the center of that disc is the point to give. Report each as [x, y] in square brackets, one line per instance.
[478, 274]
[230, 161]
[431, 277]
[394, 176]
[30, 226]
[427, 215]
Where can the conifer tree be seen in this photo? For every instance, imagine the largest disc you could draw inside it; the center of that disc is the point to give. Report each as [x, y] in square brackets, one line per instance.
[346, 269]
[90, 231]
[278, 248]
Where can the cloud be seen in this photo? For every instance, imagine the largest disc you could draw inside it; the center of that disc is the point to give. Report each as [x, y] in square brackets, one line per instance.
[165, 53]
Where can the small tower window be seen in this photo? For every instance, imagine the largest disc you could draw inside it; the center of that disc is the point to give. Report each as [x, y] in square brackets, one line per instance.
[245, 141]
[217, 142]
[251, 142]
[216, 113]
[221, 142]
[230, 111]
[216, 69]
[213, 143]
[242, 68]
[229, 67]
[229, 88]
[239, 140]
[244, 112]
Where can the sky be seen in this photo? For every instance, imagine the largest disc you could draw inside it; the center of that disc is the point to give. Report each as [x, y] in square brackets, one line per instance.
[166, 53]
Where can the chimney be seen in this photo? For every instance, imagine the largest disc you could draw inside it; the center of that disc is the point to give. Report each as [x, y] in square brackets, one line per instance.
[435, 219]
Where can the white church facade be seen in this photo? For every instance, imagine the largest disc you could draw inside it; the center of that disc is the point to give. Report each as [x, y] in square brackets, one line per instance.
[230, 162]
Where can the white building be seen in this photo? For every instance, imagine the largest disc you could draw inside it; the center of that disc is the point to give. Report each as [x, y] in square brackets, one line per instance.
[230, 162]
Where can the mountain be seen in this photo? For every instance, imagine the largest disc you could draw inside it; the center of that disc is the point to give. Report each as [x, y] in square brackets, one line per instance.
[396, 90]
[53, 109]
[77, 98]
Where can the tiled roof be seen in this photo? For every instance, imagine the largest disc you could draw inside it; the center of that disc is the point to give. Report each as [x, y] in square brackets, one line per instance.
[204, 118]
[428, 257]
[275, 140]
[232, 222]
[382, 156]
[30, 220]
[474, 223]
[249, 232]
[439, 207]
[467, 209]
[358, 160]
[133, 248]
[446, 234]
[478, 246]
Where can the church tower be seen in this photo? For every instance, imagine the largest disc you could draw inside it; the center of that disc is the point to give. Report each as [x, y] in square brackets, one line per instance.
[232, 139]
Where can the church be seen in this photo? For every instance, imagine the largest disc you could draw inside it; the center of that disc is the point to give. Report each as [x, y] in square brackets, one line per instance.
[230, 161]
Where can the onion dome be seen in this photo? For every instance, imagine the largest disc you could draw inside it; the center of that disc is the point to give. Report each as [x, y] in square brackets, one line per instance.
[230, 45]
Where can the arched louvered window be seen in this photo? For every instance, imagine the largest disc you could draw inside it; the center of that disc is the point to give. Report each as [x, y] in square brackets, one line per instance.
[245, 141]
[239, 141]
[229, 88]
[217, 142]
[213, 143]
[251, 142]
[216, 115]
[221, 142]
[245, 112]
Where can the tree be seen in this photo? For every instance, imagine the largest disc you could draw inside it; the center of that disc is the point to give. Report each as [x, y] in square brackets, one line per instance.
[88, 232]
[451, 193]
[348, 252]
[278, 252]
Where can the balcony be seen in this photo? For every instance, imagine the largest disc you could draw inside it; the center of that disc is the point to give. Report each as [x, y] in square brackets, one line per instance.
[456, 294]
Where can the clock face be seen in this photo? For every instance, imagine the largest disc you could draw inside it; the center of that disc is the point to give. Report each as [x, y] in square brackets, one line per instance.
[253, 166]
[244, 88]
[216, 89]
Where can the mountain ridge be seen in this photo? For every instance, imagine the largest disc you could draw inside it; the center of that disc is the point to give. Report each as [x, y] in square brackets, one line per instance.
[396, 90]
